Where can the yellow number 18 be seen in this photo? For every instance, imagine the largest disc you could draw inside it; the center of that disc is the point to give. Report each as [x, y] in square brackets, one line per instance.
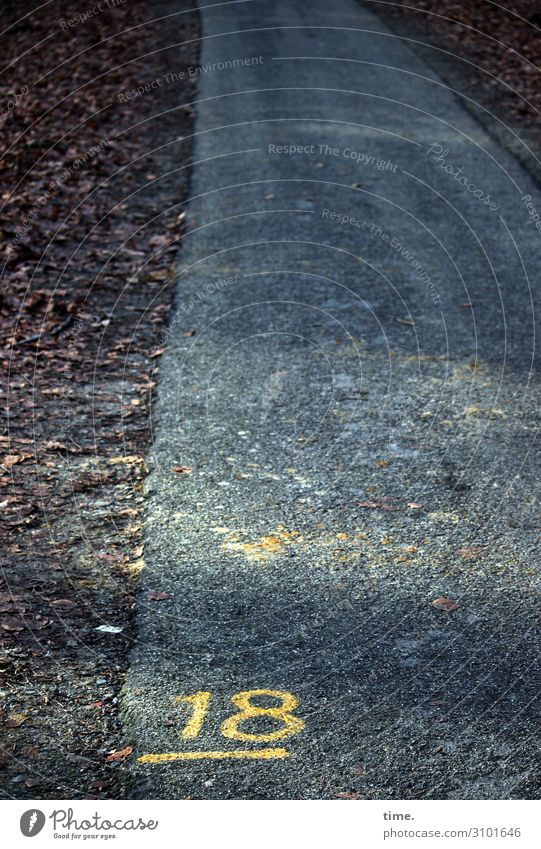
[282, 713]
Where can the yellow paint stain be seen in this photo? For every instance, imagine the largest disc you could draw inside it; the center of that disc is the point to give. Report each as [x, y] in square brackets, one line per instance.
[295, 475]
[321, 542]
[443, 516]
[260, 550]
[265, 546]
[256, 754]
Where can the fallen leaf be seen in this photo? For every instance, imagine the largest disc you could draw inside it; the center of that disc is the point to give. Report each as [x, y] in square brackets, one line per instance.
[444, 602]
[10, 460]
[9, 623]
[109, 558]
[414, 505]
[181, 470]
[348, 796]
[158, 596]
[135, 566]
[120, 754]
[15, 719]
[126, 460]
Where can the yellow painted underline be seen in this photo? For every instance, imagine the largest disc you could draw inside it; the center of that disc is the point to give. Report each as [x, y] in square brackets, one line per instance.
[255, 754]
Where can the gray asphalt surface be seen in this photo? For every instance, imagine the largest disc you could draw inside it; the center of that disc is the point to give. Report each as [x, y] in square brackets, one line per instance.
[357, 403]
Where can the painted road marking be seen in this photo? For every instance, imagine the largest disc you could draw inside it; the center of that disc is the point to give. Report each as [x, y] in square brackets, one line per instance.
[246, 710]
[200, 702]
[263, 754]
[282, 713]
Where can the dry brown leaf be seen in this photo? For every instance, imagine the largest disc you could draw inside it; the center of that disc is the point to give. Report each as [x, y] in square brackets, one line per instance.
[128, 460]
[10, 460]
[158, 596]
[444, 602]
[181, 470]
[120, 754]
[9, 623]
[15, 719]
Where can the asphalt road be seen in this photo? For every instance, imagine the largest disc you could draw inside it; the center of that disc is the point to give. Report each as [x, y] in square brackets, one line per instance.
[350, 377]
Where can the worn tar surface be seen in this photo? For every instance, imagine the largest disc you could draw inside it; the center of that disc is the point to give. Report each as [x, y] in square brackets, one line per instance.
[356, 401]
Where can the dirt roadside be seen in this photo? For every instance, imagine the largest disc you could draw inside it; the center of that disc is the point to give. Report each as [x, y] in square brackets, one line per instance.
[96, 127]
